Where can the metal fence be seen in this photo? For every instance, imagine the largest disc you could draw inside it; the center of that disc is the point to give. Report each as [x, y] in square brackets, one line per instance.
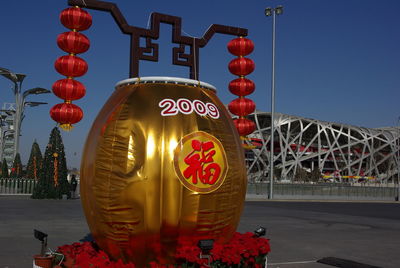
[12, 186]
[338, 191]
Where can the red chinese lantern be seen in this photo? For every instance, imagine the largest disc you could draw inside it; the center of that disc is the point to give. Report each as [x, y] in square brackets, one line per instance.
[241, 86]
[73, 42]
[69, 89]
[71, 66]
[241, 66]
[240, 46]
[244, 126]
[66, 114]
[242, 106]
[75, 18]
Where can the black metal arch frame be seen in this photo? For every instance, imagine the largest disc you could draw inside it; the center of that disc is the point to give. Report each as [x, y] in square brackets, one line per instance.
[150, 52]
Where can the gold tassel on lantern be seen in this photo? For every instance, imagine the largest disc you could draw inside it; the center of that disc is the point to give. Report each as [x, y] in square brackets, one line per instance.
[66, 127]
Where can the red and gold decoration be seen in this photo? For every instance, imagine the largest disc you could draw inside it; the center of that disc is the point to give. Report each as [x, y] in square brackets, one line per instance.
[200, 162]
[241, 87]
[73, 42]
[55, 177]
[162, 162]
[35, 168]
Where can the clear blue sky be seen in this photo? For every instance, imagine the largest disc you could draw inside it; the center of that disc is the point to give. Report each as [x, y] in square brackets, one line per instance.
[335, 60]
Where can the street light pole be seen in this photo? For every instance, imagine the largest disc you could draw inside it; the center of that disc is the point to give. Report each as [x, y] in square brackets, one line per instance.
[20, 108]
[20, 102]
[272, 12]
[18, 115]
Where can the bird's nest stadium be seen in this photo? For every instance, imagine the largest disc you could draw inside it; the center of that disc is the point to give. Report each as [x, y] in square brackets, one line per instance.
[336, 151]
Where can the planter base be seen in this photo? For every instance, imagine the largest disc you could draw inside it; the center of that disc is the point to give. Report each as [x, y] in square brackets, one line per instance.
[40, 261]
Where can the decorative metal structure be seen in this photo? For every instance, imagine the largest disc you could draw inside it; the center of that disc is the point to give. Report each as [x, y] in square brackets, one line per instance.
[150, 52]
[341, 152]
[76, 19]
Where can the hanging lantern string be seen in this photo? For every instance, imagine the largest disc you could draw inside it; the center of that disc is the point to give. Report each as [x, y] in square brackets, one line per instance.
[241, 87]
[73, 42]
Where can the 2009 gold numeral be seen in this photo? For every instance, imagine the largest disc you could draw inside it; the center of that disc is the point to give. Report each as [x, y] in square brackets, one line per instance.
[185, 106]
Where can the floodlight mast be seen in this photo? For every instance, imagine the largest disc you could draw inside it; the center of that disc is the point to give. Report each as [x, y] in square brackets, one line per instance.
[272, 12]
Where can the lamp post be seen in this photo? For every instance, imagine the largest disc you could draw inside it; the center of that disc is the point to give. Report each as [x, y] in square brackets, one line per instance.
[20, 102]
[272, 12]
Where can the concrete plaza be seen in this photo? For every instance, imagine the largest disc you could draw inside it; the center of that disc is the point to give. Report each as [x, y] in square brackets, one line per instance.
[301, 232]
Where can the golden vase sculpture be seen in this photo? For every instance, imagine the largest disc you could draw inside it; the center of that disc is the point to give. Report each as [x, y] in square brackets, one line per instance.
[162, 163]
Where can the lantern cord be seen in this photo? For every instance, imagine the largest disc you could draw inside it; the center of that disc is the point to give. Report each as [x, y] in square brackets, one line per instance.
[84, 3]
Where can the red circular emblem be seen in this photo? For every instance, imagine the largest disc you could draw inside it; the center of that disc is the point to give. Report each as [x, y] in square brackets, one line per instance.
[200, 162]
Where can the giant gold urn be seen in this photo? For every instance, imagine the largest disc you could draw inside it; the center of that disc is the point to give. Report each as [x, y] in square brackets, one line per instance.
[162, 162]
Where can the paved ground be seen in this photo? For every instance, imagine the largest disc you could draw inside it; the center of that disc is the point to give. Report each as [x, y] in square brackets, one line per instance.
[300, 232]
[368, 233]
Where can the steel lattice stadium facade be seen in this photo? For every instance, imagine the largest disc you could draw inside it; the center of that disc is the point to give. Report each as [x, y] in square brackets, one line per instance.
[337, 151]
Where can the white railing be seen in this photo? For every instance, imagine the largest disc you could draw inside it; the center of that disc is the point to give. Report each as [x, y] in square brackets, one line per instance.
[13, 186]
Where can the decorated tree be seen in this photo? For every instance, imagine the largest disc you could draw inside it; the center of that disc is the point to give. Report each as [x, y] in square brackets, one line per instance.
[16, 170]
[35, 162]
[52, 181]
[4, 169]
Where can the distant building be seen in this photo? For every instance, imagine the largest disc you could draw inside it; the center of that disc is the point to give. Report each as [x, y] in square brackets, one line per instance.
[7, 138]
[338, 151]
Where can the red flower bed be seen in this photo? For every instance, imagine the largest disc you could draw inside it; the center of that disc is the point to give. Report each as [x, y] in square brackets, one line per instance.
[244, 250]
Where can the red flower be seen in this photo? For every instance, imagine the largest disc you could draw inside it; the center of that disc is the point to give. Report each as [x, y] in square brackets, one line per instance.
[242, 249]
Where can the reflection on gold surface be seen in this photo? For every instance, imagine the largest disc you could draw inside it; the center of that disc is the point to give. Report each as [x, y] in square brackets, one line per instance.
[130, 148]
[150, 146]
[172, 145]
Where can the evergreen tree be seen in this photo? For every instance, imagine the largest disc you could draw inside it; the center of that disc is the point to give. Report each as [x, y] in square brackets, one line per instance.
[4, 169]
[301, 175]
[53, 181]
[16, 171]
[315, 174]
[35, 163]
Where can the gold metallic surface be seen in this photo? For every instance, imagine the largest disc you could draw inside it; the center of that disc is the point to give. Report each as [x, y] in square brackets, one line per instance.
[132, 197]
